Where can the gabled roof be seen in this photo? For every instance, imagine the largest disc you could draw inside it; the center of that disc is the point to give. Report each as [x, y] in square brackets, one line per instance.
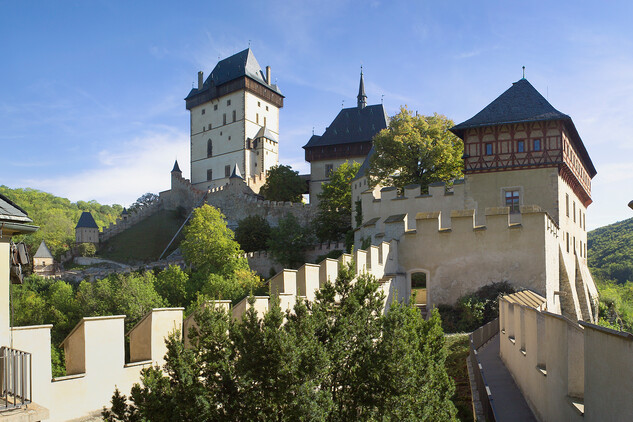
[9, 211]
[352, 125]
[43, 251]
[265, 133]
[86, 221]
[523, 103]
[236, 66]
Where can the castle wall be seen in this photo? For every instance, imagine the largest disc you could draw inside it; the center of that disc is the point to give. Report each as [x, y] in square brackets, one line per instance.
[87, 235]
[123, 224]
[566, 370]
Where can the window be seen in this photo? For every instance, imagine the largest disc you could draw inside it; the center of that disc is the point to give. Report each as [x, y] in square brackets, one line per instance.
[210, 126]
[209, 149]
[209, 174]
[512, 201]
[203, 112]
[229, 137]
[264, 120]
[215, 106]
[537, 145]
[567, 241]
[228, 102]
[227, 171]
[224, 119]
[574, 204]
[488, 149]
[259, 104]
[521, 146]
[567, 204]
[266, 108]
[257, 118]
[328, 169]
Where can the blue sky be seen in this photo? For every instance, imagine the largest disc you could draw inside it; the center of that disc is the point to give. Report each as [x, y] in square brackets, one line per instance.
[91, 92]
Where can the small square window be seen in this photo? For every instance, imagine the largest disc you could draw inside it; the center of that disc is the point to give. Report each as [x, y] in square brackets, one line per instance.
[520, 146]
[328, 169]
[228, 102]
[215, 106]
[537, 145]
[209, 174]
[203, 111]
[209, 126]
[259, 104]
[227, 171]
[488, 149]
[266, 108]
[229, 138]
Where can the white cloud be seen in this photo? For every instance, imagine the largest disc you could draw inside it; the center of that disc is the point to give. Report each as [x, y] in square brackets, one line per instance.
[120, 176]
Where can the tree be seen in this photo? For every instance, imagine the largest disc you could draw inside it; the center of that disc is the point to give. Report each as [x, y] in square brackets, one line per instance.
[283, 184]
[334, 216]
[144, 201]
[416, 150]
[220, 267]
[289, 240]
[171, 285]
[335, 359]
[252, 233]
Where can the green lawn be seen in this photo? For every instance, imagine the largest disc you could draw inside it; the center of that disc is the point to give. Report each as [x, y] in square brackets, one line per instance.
[457, 345]
[144, 241]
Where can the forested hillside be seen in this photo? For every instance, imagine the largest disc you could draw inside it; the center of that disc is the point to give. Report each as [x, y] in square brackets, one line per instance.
[610, 257]
[57, 217]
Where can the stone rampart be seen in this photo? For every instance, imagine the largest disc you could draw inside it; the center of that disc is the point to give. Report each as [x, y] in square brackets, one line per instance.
[567, 370]
[95, 360]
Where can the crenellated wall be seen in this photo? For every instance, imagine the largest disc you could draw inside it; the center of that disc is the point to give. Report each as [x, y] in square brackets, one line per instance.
[131, 219]
[262, 261]
[95, 360]
[567, 370]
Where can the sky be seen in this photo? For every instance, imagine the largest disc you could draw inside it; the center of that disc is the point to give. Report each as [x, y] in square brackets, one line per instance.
[92, 92]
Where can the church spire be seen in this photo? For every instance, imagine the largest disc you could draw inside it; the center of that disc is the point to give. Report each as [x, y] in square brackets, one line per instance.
[362, 98]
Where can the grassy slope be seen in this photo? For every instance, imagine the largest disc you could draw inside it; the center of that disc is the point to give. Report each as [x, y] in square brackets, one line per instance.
[457, 345]
[144, 241]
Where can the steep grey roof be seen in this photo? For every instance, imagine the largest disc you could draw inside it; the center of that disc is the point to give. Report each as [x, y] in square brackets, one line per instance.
[125, 211]
[9, 211]
[86, 221]
[523, 103]
[362, 170]
[43, 251]
[236, 173]
[352, 125]
[362, 97]
[519, 103]
[176, 167]
[265, 133]
[238, 65]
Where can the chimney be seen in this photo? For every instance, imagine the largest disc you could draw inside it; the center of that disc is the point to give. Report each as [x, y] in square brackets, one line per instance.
[200, 79]
[268, 81]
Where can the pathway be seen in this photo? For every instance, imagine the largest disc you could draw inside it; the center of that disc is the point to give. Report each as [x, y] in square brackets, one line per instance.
[508, 400]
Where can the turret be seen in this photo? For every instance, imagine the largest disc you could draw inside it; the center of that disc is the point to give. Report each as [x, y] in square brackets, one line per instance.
[362, 97]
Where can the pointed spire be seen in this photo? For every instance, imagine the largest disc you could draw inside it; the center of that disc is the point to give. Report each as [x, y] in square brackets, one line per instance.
[362, 97]
[236, 172]
[176, 168]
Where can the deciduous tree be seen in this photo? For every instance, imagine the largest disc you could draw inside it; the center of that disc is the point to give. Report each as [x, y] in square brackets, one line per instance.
[283, 184]
[416, 150]
[252, 233]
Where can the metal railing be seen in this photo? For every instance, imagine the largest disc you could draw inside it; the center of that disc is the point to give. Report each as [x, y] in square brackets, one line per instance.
[15, 374]
[478, 338]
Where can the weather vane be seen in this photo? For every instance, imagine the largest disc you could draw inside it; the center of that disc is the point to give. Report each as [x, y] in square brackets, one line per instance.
[523, 72]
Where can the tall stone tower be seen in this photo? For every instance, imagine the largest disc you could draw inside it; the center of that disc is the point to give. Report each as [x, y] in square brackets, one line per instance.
[234, 121]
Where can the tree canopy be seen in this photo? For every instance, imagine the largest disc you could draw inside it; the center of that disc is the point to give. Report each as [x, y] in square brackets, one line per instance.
[144, 201]
[334, 216]
[338, 358]
[252, 233]
[289, 240]
[416, 150]
[283, 184]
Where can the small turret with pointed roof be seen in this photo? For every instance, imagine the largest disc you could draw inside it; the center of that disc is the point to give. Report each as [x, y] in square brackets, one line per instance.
[236, 173]
[362, 97]
[176, 168]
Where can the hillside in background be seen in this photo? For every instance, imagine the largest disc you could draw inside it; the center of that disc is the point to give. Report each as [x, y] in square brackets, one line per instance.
[610, 252]
[57, 217]
[146, 240]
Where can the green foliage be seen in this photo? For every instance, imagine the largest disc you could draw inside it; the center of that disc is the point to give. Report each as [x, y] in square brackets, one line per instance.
[283, 184]
[358, 207]
[87, 249]
[474, 310]
[332, 254]
[336, 359]
[221, 269]
[458, 346]
[610, 252]
[416, 150]
[334, 218]
[171, 285]
[252, 233]
[144, 201]
[57, 217]
[288, 242]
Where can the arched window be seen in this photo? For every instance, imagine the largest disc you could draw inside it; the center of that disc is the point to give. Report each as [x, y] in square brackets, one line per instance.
[209, 148]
